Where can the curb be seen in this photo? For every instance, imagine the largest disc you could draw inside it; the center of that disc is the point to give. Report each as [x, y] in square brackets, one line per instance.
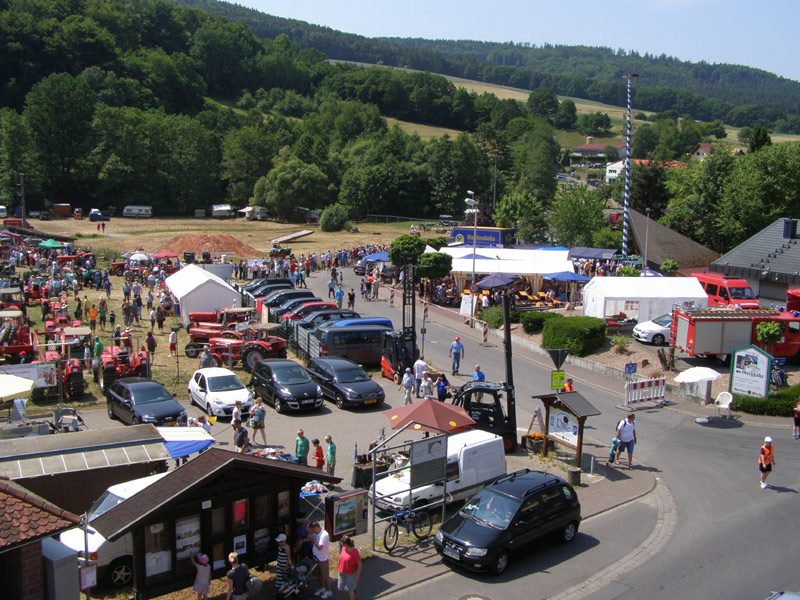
[624, 502]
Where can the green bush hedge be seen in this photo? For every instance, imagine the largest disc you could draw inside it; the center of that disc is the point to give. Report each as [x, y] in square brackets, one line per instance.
[582, 335]
[494, 316]
[777, 404]
[533, 322]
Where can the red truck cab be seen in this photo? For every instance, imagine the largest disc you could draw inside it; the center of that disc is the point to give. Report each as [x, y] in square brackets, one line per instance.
[727, 291]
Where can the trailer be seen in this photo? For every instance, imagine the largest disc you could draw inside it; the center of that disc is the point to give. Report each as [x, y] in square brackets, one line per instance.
[718, 331]
[137, 211]
[222, 211]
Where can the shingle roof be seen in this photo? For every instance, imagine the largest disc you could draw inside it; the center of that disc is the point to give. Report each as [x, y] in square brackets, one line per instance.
[25, 517]
[208, 465]
[767, 251]
[663, 243]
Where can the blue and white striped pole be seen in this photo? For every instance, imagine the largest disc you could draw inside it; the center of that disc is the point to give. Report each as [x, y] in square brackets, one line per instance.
[626, 208]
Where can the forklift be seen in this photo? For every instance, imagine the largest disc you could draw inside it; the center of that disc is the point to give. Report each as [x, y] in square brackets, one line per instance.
[483, 400]
[400, 350]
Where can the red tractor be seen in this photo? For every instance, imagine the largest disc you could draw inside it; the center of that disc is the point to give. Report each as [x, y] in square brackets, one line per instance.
[60, 348]
[118, 268]
[227, 317]
[12, 298]
[15, 336]
[249, 346]
[117, 362]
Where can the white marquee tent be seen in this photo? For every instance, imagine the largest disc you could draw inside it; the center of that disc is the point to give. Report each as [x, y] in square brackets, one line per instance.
[200, 290]
[514, 261]
[641, 298]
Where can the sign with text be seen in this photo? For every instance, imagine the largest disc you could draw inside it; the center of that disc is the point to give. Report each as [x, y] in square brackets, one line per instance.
[750, 372]
[42, 374]
[557, 380]
[564, 427]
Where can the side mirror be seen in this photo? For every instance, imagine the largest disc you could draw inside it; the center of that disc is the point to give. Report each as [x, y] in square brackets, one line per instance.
[369, 375]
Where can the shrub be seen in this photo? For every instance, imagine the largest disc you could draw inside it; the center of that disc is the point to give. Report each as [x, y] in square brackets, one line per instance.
[777, 404]
[619, 342]
[494, 316]
[669, 267]
[437, 242]
[533, 322]
[333, 218]
[628, 272]
[582, 335]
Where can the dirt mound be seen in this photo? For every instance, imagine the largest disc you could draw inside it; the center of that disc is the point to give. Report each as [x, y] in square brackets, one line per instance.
[211, 242]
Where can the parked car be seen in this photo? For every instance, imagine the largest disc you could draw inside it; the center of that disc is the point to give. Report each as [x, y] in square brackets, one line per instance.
[216, 391]
[655, 331]
[267, 287]
[319, 317]
[360, 267]
[293, 303]
[135, 400]
[306, 308]
[345, 382]
[95, 215]
[515, 509]
[285, 385]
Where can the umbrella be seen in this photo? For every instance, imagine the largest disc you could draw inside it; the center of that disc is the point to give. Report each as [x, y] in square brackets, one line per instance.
[566, 276]
[164, 254]
[12, 387]
[495, 280]
[138, 256]
[429, 415]
[50, 244]
[697, 374]
[377, 257]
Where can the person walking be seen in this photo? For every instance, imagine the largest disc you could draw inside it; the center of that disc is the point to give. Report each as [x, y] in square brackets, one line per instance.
[351, 299]
[407, 385]
[797, 420]
[349, 567]
[237, 578]
[321, 550]
[456, 353]
[330, 455]
[172, 340]
[236, 414]
[283, 564]
[258, 413]
[301, 444]
[420, 367]
[478, 375]
[242, 438]
[339, 297]
[427, 386]
[766, 460]
[150, 340]
[626, 432]
[442, 386]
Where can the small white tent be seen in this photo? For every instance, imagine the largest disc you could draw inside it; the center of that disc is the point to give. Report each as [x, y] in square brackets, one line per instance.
[640, 298]
[199, 290]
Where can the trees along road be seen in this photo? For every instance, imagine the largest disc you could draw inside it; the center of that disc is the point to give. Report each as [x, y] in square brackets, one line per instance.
[731, 539]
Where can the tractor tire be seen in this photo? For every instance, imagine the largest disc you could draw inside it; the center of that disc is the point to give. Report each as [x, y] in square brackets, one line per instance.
[74, 386]
[192, 350]
[4, 331]
[251, 356]
[109, 377]
[12, 335]
[141, 371]
[396, 378]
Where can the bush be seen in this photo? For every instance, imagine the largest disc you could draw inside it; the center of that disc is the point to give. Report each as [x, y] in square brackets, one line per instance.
[582, 335]
[533, 322]
[333, 218]
[619, 342]
[777, 404]
[494, 316]
[437, 242]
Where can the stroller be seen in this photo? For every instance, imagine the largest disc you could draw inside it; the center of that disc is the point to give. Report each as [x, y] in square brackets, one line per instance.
[297, 581]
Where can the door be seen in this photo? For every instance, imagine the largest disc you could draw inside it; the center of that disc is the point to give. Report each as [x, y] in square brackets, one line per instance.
[201, 390]
[125, 404]
[553, 510]
[528, 522]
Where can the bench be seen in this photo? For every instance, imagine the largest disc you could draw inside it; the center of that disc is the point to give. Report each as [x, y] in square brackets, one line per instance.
[723, 402]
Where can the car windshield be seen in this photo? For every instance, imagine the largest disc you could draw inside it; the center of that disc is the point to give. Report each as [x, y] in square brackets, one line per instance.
[742, 293]
[224, 383]
[351, 375]
[105, 502]
[663, 320]
[150, 394]
[490, 507]
[290, 374]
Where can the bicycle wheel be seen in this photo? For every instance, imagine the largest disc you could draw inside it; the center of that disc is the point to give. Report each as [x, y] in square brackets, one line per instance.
[390, 536]
[422, 525]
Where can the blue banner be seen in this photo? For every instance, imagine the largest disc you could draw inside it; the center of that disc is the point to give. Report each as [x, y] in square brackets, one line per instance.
[487, 237]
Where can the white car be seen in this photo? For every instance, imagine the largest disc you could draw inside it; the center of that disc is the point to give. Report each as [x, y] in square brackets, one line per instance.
[655, 331]
[216, 390]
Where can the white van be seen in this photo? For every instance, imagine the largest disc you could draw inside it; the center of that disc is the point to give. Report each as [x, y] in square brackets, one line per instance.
[3, 212]
[137, 212]
[474, 458]
[114, 559]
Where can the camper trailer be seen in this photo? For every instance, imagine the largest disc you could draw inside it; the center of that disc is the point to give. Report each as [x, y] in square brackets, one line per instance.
[137, 212]
[221, 211]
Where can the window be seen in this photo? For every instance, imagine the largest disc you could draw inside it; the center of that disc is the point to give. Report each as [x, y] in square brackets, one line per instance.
[157, 553]
[453, 471]
[711, 289]
[723, 293]
[794, 327]
[568, 493]
[241, 515]
[187, 543]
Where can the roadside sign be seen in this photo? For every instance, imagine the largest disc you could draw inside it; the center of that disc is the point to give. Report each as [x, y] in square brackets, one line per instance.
[630, 368]
[473, 288]
[88, 576]
[557, 380]
[559, 355]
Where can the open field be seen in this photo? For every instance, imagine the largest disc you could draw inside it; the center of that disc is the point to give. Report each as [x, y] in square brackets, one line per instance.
[426, 132]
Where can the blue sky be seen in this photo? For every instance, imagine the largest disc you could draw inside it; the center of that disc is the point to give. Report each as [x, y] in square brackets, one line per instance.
[761, 35]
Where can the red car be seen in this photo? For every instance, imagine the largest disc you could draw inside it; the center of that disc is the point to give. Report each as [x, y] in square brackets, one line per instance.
[306, 309]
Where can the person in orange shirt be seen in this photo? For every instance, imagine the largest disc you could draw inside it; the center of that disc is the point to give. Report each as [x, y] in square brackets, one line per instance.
[93, 312]
[766, 460]
[568, 387]
[318, 455]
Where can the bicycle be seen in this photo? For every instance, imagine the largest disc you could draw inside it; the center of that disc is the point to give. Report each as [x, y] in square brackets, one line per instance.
[418, 523]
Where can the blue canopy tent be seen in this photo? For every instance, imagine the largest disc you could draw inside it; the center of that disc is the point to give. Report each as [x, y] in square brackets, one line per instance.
[183, 441]
[377, 257]
[567, 276]
[495, 280]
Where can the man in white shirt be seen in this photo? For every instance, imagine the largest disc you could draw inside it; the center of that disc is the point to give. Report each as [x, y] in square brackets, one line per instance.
[626, 432]
[322, 542]
[419, 368]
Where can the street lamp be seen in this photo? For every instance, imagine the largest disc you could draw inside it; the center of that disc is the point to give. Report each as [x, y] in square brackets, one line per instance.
[646, 235]
[473, 204]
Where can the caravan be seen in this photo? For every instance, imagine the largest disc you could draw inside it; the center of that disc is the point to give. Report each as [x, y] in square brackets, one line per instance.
[137, 212]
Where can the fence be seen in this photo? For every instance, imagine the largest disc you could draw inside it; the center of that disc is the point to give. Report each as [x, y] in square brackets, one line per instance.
[645, 390]
[301, 341]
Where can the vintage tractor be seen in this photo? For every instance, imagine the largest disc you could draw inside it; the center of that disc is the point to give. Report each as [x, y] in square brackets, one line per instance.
[62, 347]
[249, 346]
[118, 268]
[117, 362]
[13, 298]
[227, 317]
[15, 336]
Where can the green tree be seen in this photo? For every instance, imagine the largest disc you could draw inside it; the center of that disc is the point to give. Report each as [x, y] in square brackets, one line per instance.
[291, 184]
[566, 116]
[759, 138]
[649, 189]
[13, 154]
[247, 154]
[611, 153]
[628, 272]
[577, 214]
[669, 267]
[744, 134]
[527, 214]
[543, 102]
[434, 265]
[405, 246]
[333, 218]
[607, 238]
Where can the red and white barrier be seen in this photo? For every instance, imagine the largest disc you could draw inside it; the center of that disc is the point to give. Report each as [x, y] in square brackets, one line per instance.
[646, 390]
[485, 333]
[391, 297]
[424, 311]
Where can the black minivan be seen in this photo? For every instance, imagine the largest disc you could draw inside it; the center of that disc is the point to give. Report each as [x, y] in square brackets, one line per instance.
[512, 511]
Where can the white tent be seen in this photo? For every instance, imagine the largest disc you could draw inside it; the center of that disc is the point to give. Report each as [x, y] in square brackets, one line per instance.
[641, 298]
[198, 290]
[514, 261]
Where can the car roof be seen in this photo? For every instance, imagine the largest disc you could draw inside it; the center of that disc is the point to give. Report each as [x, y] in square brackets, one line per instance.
[134, 382]
[280, 362]
[214, 372]
[337, 362]
[520, 483]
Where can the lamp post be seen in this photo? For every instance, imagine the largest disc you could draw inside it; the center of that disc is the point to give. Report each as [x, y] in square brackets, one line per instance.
[473, 204]
[646, 235]
[626, 211]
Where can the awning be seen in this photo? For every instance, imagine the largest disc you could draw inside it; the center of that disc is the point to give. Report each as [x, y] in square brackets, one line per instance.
[183, 441]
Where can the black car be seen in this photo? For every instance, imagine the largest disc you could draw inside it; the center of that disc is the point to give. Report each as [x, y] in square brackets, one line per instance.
[514, 510]
[267, 287]
[315, 319]
[267, 281]
[291, 304]
[285, 385]
[278, 297]
[251, 285]
[360, 268]
[345, 382]
[135, 400]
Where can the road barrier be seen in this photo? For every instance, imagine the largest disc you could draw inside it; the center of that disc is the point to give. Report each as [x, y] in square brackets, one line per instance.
[391, 298]
[485, 334]
[646, 390]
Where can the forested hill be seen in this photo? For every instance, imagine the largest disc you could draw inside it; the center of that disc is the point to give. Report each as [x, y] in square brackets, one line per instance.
[738, 95]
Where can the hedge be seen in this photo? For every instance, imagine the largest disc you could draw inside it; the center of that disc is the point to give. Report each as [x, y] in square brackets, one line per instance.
[777, 404]
[582, 335]
[494, 316]
[533, 322]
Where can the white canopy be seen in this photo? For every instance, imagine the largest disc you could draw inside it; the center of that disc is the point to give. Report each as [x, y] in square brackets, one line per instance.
[199, 290]
[641, 298]
[12, 387]
[515, 261]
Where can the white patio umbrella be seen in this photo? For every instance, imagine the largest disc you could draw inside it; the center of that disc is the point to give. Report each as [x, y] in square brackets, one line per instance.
[137, 256]
[697, 374]
[12, 387]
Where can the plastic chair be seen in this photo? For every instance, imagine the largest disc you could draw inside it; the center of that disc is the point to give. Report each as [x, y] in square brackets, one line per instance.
[723, 402]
